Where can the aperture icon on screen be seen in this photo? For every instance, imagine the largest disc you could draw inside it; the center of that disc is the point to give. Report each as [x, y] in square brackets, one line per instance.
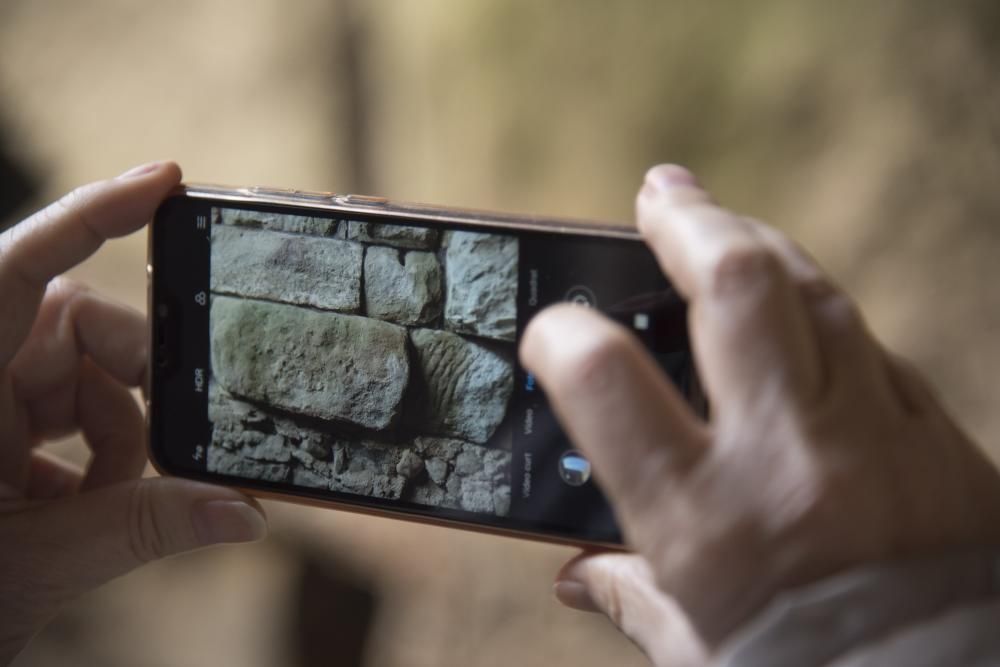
[581, 295]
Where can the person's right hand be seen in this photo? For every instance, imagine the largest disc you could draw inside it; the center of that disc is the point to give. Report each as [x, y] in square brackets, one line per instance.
[823, 451]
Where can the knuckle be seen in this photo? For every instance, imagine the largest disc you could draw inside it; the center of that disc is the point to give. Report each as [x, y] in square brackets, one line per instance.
[73, 206]
[67, 290]
[62, 300]
[78, 197]
[743, 267]
[146, 538]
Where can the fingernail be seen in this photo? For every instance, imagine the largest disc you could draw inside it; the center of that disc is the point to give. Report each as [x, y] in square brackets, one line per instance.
[665, 176]
[573, 594]
[223, 521]
[141, 170]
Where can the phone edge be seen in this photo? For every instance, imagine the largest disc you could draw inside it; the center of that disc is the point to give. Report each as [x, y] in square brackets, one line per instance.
[383, 207]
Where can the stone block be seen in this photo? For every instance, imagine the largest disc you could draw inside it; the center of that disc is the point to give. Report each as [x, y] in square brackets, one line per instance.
[253, 443]
[501, 499]
[403, 289]
[477, 495]
[400, 236]
[437, 470]
[481, 275]
[323, 273]
[236, 464]
[272, 448]
[324, 365]
[279, 222]
[310, 478]
[429, 494]
[445, 449]
[461, 389]
[372, 468]
[410, 465]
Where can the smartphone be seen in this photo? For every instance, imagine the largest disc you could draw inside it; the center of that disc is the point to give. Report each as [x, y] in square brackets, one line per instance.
[362, 354]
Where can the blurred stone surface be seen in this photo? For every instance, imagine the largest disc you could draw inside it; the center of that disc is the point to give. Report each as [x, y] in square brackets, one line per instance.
[461, 389]
[279, 222]
[324, 365]
[481, 274]
[400, 236]
[324, 273]
[406, 289]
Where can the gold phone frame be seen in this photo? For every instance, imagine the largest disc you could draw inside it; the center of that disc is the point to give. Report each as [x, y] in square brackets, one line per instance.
[329, 202]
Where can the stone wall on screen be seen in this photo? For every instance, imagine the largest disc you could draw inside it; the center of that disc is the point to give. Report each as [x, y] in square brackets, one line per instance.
[291, 268]
[482, 285]
[362, 357]
[403, 287]
[314, 363]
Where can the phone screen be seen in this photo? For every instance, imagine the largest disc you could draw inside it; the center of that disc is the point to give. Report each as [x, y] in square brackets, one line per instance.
[373, 361]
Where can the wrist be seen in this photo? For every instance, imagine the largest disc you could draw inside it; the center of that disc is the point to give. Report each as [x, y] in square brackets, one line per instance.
[815, 624]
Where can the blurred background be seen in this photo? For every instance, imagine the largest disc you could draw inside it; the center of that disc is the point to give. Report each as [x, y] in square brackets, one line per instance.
[869, 131]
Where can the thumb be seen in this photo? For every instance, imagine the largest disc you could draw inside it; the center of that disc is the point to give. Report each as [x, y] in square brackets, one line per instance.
[79, 542]
[622, 587]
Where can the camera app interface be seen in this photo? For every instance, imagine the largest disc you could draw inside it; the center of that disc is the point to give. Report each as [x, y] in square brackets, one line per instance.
[365, 359]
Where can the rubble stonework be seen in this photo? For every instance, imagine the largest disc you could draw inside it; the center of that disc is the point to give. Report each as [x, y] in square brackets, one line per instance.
[249, 442]
[363, 358]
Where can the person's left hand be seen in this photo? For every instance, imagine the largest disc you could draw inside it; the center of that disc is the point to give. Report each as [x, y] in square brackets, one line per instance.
[67, 360]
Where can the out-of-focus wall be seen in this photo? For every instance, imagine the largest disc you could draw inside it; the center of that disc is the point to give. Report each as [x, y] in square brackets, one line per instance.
[871, 131]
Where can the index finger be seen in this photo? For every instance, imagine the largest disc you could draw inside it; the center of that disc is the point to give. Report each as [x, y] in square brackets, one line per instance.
[750, 332]
[65, 233]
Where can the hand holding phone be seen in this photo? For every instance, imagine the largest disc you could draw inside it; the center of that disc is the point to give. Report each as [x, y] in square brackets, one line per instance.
[68, 359]
[362, 354]
[823, 453]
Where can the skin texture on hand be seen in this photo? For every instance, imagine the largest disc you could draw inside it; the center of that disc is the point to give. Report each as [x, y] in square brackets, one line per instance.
[68, 358]
[823, 451]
